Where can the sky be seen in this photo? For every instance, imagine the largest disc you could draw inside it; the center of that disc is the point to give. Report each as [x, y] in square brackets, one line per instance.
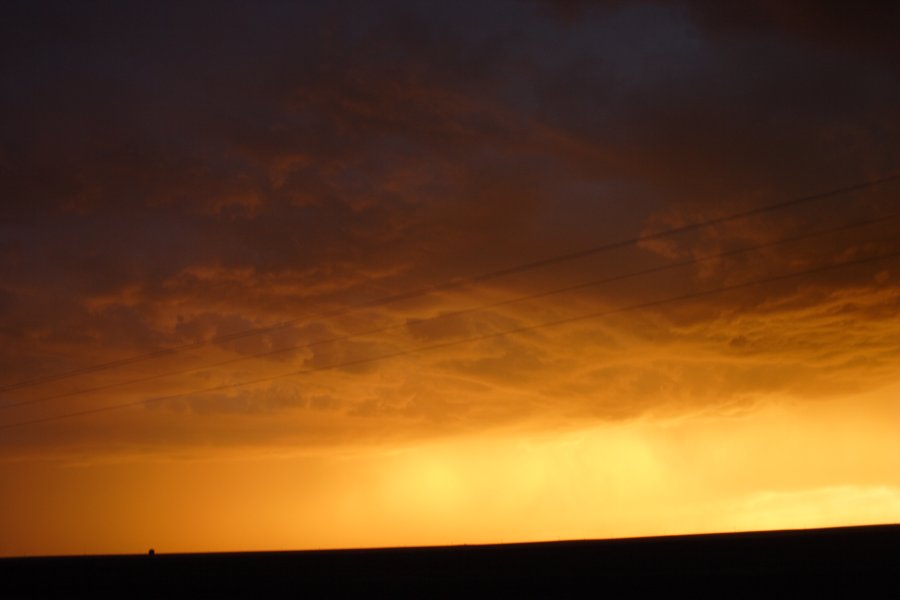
[288, 275]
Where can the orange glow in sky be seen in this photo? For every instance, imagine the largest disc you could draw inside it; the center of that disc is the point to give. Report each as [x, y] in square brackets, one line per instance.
[325, 275]
[779, 467]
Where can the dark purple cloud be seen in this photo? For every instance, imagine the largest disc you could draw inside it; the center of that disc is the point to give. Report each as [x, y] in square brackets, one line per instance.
[172, 172]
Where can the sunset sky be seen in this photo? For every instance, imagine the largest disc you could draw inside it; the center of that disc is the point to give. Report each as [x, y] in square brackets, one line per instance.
[445, 272]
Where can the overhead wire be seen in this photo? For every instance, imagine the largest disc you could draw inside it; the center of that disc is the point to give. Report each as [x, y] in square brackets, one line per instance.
[449, 285]
[468, 340]
[461, 312]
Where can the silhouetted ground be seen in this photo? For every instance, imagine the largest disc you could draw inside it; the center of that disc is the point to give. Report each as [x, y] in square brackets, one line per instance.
[846, 562]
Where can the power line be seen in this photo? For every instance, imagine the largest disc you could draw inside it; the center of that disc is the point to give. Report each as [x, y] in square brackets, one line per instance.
[432, 347]
[458, 313]
[452, 284]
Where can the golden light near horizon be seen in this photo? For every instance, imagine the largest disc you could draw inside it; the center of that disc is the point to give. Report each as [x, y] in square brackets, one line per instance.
[780, 467]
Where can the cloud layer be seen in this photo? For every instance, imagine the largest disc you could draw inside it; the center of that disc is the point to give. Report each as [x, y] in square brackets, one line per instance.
[176, 174]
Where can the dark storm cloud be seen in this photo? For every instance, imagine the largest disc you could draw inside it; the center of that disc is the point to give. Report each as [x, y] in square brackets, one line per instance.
[870, 29]
[174, 172]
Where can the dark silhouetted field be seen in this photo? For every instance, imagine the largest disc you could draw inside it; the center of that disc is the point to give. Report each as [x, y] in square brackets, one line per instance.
[853, 561]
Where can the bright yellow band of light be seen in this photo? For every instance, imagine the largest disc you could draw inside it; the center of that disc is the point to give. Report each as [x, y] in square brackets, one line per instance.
[783, 466]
